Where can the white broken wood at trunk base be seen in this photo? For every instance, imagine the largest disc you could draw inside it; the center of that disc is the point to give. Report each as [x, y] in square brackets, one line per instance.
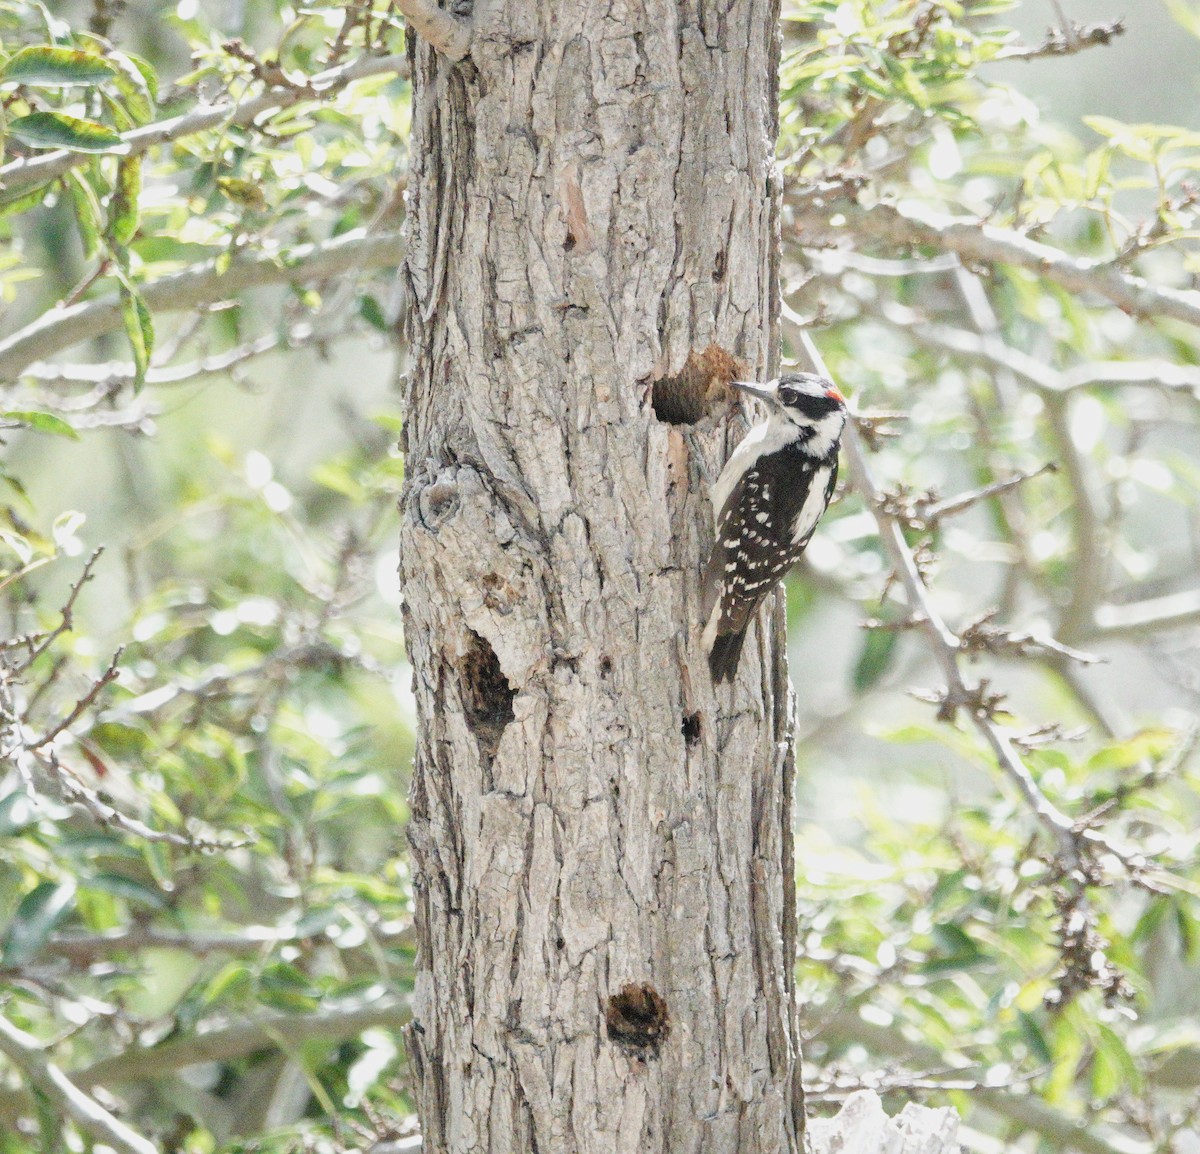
[862, 1127]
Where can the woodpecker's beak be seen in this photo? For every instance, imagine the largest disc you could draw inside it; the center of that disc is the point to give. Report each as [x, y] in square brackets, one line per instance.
[755, 390]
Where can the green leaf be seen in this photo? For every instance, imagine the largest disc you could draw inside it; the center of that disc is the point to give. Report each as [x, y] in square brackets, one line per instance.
[370, 311]
[58, 130]
[137, 83]
[337, 476]
[20, 201]
[1035, 1039]
[875, 657]
[42, 422]
[245, 193]
[954, 940]
[45, 67]
[88, 214]
[128, 888]
[948, 886]
[287, 988]
[1185, 927]
[231, 979]
[139, 328]
[39, 912]
[1187, 17]
[18, 545]
[1149, 743]
[1113, 1068]
[123, 204]
[118, 738]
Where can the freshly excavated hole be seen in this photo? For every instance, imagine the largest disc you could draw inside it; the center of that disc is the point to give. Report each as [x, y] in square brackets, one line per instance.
[486, 694]
[637, 1020]
[701, 387]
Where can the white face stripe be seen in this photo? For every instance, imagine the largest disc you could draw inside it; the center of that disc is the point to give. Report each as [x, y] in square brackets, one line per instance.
[827, 431]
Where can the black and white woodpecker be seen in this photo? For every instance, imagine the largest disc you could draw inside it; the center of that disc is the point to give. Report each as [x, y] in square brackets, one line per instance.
[767, 502]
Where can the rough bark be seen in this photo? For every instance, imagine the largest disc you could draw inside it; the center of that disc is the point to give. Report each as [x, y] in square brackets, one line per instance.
[601, 843]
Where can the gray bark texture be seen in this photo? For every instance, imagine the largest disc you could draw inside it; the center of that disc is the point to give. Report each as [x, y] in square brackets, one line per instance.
[601, 843]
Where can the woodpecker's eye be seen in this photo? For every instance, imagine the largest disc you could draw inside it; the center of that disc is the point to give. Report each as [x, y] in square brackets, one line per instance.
[787, 395]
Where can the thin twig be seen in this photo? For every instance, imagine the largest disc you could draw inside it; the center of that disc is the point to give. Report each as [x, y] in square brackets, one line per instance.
[83, 949]
[1089, 558]
[115, 373]
[205, 284]
[836, 1088]
[926, 513]
[82, 705]
[1066, 40]
[1089, 375]
[1023, 1111]
[1155, 614]
[224, 1042]
[829, 213]
[68, 612]
[27, 1055]
[19, 175]
[74, 791]
[944, 644]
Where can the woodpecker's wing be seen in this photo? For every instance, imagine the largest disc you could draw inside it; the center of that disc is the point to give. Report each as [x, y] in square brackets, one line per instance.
[724, 551]
[734, 583]
[727, 612]
[762, 530]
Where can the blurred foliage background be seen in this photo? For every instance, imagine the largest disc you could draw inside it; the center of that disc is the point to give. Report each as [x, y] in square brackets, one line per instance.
[204, 908]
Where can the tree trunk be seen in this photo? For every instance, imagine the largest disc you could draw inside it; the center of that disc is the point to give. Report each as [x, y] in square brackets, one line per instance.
[601, 843]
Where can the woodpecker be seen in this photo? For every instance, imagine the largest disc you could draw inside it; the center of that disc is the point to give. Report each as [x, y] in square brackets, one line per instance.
[767, 502]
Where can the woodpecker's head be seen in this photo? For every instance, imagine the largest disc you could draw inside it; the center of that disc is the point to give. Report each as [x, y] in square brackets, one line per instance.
[809, 403]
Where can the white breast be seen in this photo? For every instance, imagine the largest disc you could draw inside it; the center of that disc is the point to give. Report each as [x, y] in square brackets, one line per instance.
[813, 507]
[767, 437]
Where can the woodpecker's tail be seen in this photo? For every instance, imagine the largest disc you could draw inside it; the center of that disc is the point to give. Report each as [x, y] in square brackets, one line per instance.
[725, 653]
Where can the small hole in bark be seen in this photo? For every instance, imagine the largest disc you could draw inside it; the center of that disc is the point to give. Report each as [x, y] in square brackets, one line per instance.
[605, 666]
[569, 243]
[637, 1020]
[691, 728]
[701, 387]
[487, 695]
[719, 267]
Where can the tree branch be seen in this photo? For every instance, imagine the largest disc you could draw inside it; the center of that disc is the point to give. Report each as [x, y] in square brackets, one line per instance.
[827, 213]
[27, 1055]
[1026, 1111]
[944, 644]
[84, 949]
[1153, 615]
[449, 34]
[115, 373]
[223, 1043]
[19, 175]
[1065, 41]
[61, 328]
[1092, 374]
